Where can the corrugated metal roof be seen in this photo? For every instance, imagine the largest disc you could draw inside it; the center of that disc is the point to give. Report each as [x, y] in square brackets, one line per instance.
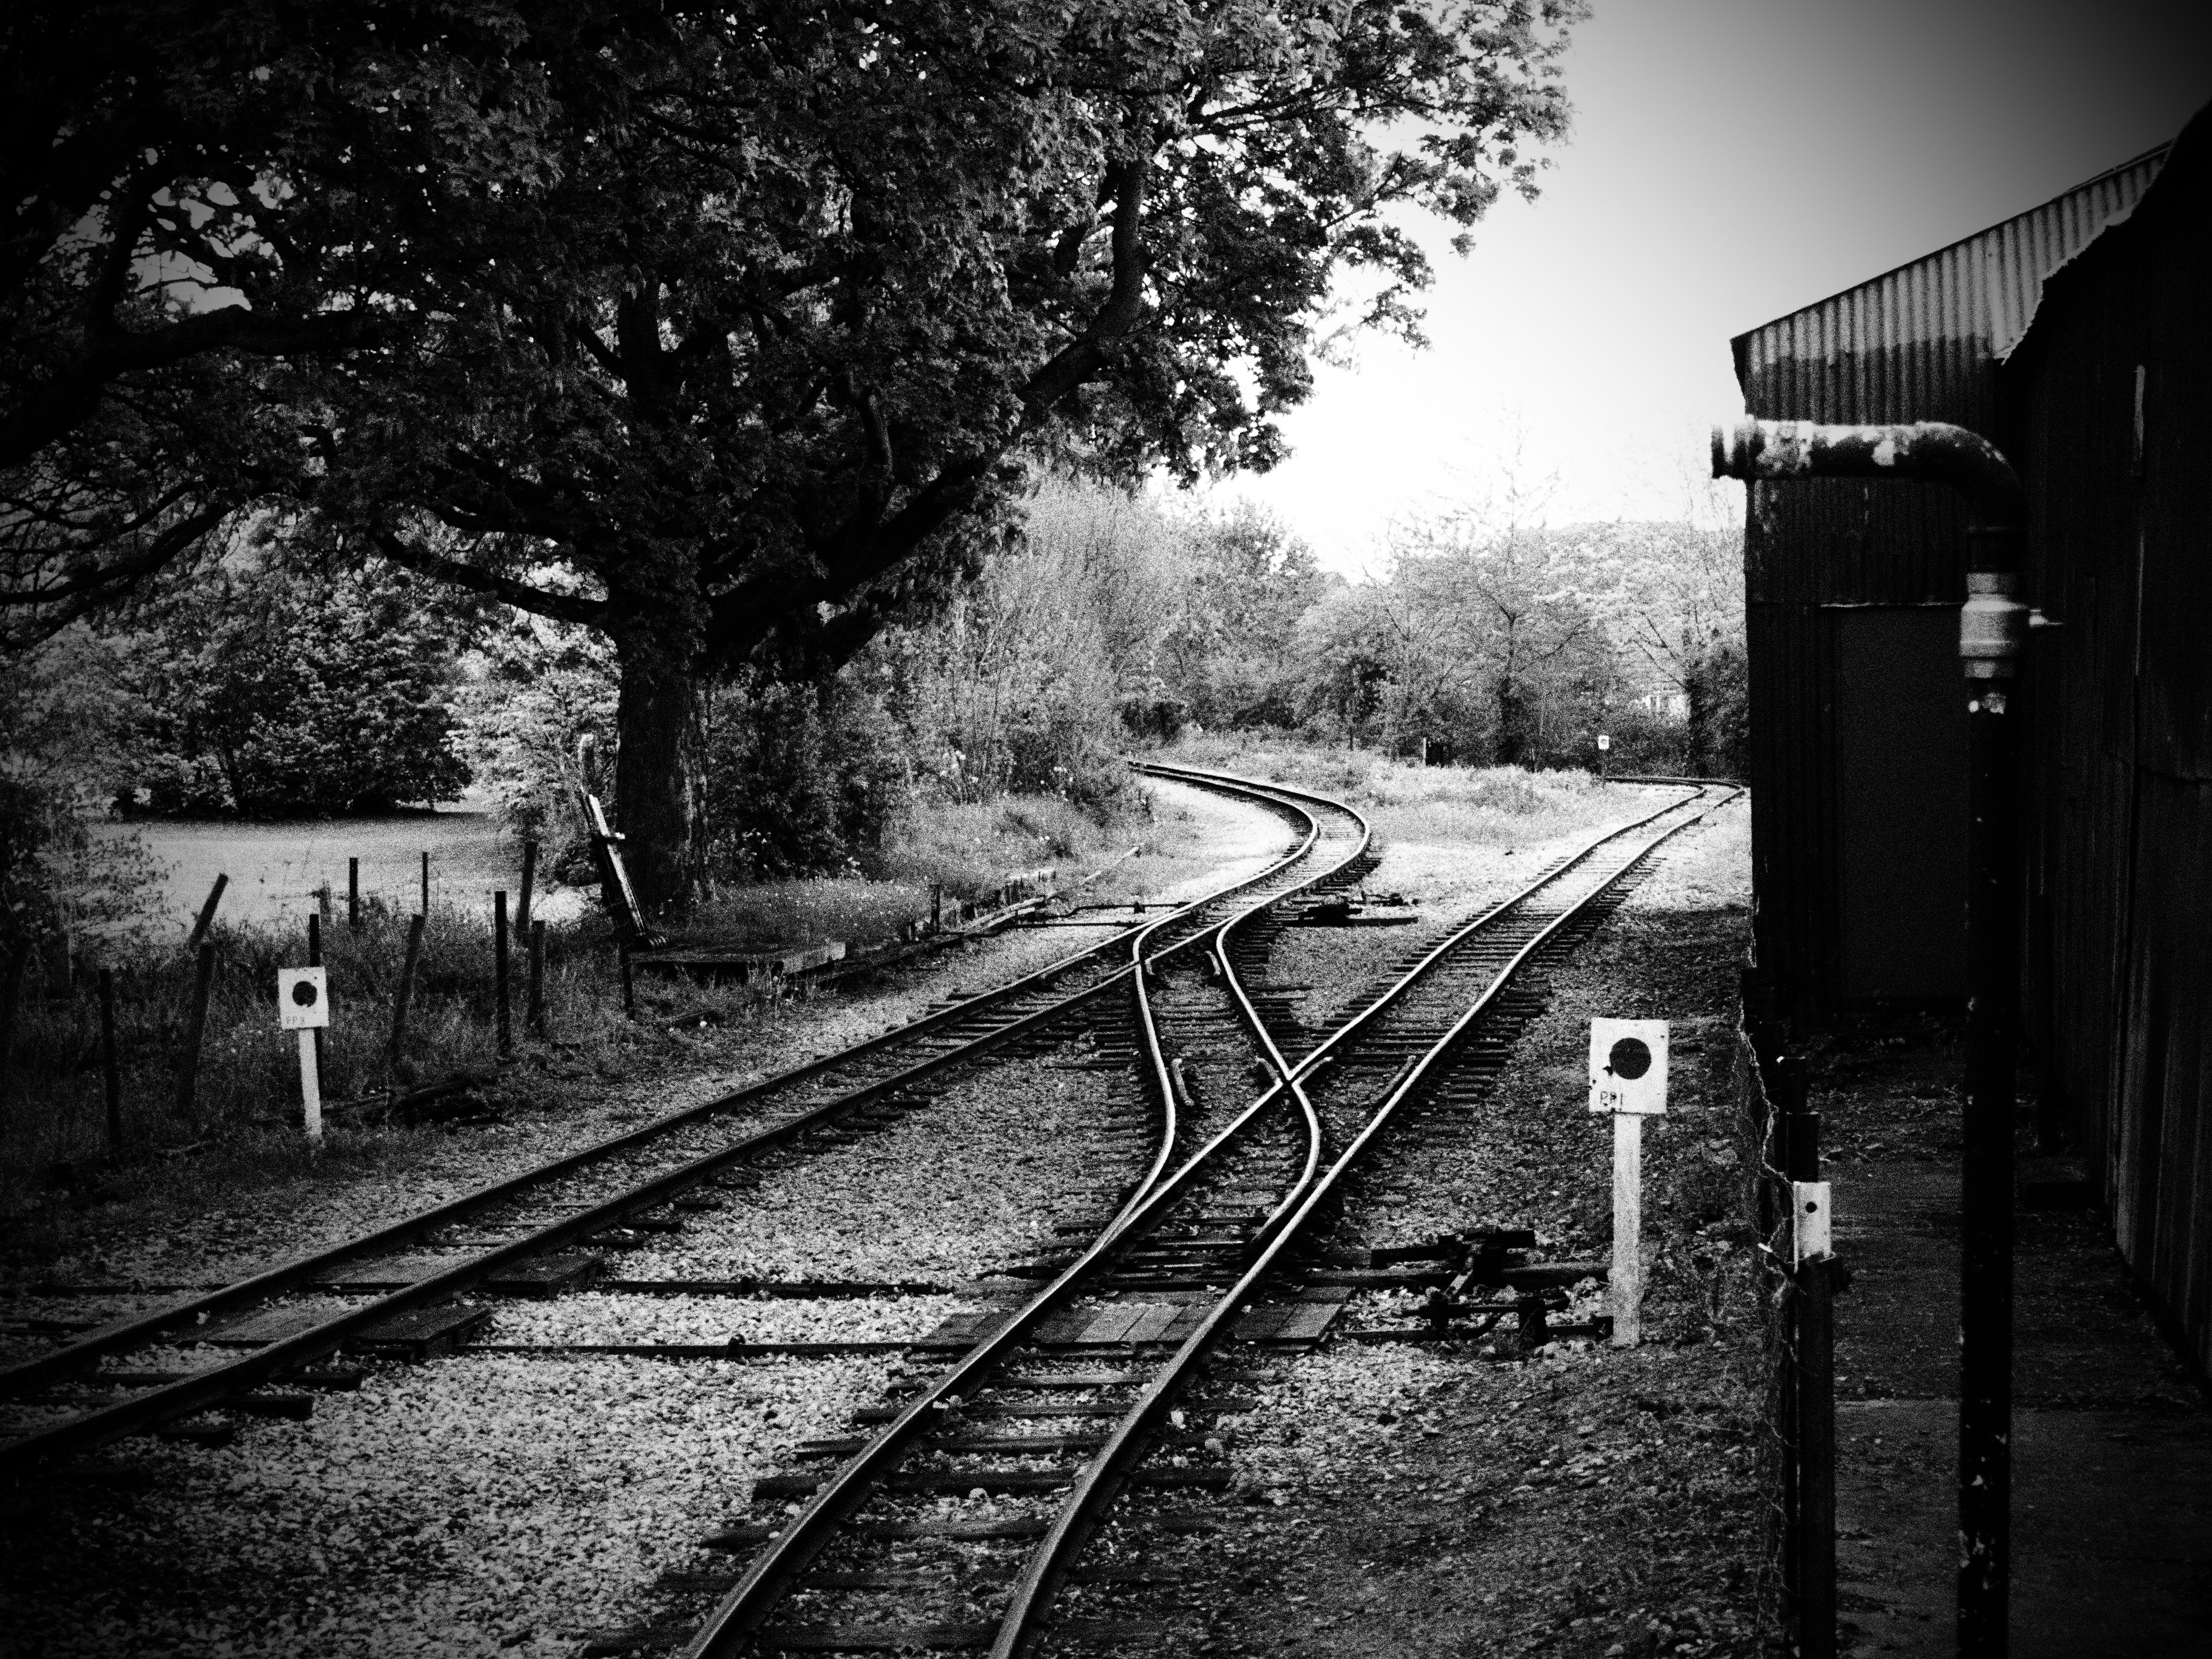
[1969, 302]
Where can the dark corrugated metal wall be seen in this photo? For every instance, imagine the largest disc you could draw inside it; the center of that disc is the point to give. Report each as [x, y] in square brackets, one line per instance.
[2120, 972]
[1918, 343]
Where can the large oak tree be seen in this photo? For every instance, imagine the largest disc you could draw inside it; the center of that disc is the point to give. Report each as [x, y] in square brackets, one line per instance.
[726, 329]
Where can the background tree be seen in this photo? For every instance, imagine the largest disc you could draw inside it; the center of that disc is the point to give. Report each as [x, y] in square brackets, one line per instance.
[271, 691]
[1229, 656]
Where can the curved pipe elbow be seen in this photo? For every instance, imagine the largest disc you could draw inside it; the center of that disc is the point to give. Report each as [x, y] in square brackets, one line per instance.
[1930, 451]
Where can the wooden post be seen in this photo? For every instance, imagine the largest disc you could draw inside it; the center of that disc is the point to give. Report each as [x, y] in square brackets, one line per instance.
[315, 960]
[415, 925]
[1811, 1227]
[426, 883]
[529, 881]
[353, 893]
[110, 1073]
[538, 979]
[207, 914]
[188, 1071]
[505, 1023]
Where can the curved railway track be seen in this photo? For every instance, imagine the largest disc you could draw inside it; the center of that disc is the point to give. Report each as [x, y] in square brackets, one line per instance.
[1215, 1234]
[515, 1233]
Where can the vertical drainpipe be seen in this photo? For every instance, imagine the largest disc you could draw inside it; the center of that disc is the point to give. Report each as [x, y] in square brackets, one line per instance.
[1992, 633]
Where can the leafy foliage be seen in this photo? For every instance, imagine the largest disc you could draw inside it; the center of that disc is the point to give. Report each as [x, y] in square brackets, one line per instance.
[272, 693]
[1228, 656]
[64, 722]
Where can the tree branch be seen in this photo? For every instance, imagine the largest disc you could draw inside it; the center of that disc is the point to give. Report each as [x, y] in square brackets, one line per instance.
[590, 613]
[71, 395]
[1081, 358]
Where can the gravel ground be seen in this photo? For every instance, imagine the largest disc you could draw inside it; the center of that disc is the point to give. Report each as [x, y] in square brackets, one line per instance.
[1001, 1149]
[617, 1317]
[482, 1505]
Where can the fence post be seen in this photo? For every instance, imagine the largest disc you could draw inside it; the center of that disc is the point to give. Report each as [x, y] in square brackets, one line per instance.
[426, 883]
[415, 924]
[504, 1024]
[536, 1014]
[353, 893]
[110, 1073]
[529, 882]
[207, 914]
[188, 1073]
[315, 960]
[1810, 1220]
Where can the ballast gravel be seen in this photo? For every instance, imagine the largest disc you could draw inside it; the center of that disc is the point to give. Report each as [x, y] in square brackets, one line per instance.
[693, 1320]
[484, 1506]
[959, 1188]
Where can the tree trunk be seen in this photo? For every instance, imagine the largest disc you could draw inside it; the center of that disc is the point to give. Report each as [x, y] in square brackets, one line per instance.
[1511, 743]
[657, 794]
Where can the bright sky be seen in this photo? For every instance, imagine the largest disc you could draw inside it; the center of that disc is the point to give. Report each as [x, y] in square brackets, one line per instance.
[1731, 160]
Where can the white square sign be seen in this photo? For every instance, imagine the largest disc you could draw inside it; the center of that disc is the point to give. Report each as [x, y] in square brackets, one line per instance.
[1628, 1067]
[303, 999]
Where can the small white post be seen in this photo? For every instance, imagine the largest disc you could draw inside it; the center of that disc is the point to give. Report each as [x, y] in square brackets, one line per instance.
[310, 1087]
[1628, 1081]
[303, 1005]
[1627, 1229]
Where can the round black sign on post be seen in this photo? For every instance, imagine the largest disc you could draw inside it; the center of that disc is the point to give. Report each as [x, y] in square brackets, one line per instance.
[303, 992]
[1629, 1059]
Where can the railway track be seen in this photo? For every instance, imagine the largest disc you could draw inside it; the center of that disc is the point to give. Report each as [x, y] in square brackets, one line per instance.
[531, 1234]
[958, 1521]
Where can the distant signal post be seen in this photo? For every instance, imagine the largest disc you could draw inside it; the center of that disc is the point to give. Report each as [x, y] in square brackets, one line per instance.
[1628, 1080]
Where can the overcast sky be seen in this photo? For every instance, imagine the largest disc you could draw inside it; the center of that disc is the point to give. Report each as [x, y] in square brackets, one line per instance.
[1731, 160]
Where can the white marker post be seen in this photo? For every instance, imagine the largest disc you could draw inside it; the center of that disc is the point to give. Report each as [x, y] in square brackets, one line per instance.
[1628, 1078]
[303, 1005]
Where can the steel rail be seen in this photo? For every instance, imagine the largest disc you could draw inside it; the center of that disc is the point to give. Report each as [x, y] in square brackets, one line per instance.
[749, 1602]
[1100, 1478]
[206, 1388]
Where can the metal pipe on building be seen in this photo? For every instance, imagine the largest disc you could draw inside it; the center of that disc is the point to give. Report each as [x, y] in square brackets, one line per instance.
[1992, 634]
